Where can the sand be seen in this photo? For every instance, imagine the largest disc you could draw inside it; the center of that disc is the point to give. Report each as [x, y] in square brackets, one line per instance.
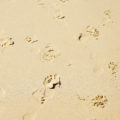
[59, 60]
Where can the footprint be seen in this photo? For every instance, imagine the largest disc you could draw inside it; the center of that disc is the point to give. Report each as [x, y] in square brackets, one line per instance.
[92, 31]
[7, 41]
[107, 13]
[49, 53]
[89, 32]
[113, 68]
[39, 95]
[114, 71]
[29, 39]
[50, 82]
[107, 18]
[99, 101]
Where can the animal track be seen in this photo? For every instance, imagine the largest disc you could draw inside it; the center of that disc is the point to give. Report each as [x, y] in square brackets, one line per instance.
[49, 53]
[113, 67]
[92, 31]
[50, 82]
[99, 101]
[30, 40]
[5, 42]
[107, 18]
[89, 31]
[107, 13]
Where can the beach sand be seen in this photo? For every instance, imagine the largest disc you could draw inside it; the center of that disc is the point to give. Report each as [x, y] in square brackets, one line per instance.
[59, 60]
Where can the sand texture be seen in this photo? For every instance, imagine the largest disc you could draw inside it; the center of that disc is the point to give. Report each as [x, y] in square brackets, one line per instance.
[59, 59]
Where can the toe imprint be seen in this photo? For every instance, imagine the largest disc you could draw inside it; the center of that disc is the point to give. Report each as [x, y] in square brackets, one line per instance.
[49, 53]
[4, 42]
[51, 81]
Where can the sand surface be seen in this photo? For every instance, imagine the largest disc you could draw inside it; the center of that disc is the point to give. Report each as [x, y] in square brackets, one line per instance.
[59, 59]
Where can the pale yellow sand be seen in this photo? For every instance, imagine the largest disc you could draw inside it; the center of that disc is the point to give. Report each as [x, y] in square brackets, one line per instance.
[72, 46]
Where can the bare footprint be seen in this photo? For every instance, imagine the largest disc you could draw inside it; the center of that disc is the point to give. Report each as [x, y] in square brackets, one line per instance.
[49, 53]
[50, 82]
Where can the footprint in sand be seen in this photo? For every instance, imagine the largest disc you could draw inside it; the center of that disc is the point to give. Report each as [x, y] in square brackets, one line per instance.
[94, 32]
[89, 32]
[29, 39]
[114, 71]
[6, 41]
[99, 101]
[49, 53]
[49, 84]
[107, 19]
[113, 68]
